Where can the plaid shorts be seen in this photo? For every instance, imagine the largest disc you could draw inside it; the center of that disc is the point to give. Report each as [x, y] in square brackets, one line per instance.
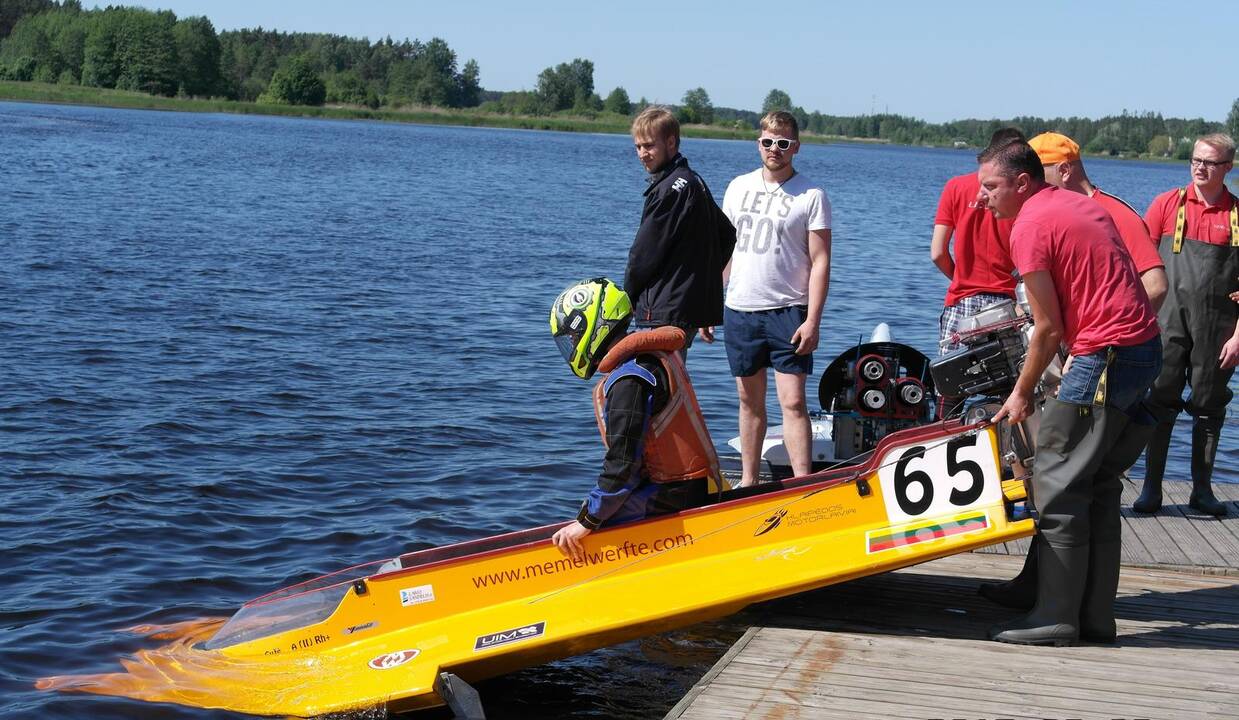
[953, 315]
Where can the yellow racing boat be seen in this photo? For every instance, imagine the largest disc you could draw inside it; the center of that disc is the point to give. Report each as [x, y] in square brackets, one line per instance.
[382, 634]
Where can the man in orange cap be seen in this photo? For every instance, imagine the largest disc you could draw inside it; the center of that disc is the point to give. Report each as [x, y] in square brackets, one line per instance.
[1060, 156]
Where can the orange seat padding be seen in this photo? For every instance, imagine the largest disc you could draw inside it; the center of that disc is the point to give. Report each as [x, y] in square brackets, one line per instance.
[668, 338]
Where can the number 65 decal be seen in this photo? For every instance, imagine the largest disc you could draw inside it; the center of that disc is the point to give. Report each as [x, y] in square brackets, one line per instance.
[940, 477]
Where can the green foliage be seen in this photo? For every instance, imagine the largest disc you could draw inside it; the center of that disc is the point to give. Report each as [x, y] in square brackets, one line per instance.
[617, 102]
[697, 108]
[348, 88]
[198, 56]
[776, 100]
[1232, 120]
[138, 49]
[296, 83]
[560, 87]
[1159, 146]
[13, 10]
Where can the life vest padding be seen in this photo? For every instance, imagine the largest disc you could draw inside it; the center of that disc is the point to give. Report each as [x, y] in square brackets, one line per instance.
[677, 445]
[667, 337]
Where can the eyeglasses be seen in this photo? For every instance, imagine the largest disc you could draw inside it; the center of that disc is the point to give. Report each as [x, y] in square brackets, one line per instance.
[1208, 163]
[781, 143]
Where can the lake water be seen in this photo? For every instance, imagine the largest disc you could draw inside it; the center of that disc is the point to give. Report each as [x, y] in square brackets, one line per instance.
[239, 351]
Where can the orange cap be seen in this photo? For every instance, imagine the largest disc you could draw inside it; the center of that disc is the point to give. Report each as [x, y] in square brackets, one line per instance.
[1053, 148]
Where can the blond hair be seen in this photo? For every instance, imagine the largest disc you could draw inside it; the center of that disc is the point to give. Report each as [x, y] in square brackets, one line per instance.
[657, 122]
[1221, 142]
[781, 120]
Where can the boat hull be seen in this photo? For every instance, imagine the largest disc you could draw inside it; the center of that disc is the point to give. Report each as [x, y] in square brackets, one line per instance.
[493, 606]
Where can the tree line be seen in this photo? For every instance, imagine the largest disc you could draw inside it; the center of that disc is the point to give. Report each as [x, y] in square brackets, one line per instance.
[155, 52]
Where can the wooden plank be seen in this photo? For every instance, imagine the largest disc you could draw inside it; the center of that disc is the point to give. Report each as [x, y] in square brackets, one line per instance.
[1153, 534]
[909, 644]
[713, 672]
[1216, 534]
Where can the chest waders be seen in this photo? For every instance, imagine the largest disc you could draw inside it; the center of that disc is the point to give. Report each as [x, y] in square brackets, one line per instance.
[1196, 320]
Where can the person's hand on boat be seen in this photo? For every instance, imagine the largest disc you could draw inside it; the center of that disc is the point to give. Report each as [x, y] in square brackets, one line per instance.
[805, 338]
[707, 333]
[568, 540]
[1019, 405]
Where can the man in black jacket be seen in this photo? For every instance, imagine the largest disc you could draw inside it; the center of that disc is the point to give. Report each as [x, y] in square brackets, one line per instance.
[675, 265]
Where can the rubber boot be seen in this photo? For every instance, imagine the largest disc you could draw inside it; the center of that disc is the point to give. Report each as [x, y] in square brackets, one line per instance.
[1128, 441]
[1020, 592]
[1061, 574]
[1205, 435]
[1150, 500]
[1097, 607]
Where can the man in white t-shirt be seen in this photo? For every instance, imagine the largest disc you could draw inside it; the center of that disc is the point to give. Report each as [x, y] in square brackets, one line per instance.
[779, 276]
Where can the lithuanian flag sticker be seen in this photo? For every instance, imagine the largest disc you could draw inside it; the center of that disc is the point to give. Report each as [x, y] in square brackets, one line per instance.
[926, 530]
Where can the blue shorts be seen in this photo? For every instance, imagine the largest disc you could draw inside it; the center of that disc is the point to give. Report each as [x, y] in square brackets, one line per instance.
[761, 339]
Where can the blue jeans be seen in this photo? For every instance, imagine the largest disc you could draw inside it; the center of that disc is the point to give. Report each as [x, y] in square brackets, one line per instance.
[1130, 374]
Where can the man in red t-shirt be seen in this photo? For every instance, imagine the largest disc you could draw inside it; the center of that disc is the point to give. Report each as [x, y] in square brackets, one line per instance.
[1060, 157]
[981, 265]
[980, 270]
[1084, 291]
[1197, 229]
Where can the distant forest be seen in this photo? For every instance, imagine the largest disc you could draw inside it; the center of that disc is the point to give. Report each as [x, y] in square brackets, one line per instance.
[154, 52]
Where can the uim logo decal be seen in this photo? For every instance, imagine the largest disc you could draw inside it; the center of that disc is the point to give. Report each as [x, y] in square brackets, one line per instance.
[394, 659]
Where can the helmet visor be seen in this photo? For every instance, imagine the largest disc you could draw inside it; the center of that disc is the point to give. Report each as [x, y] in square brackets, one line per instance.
[567, 346]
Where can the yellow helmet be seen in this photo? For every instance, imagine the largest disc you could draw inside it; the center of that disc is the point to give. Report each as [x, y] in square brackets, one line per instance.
[585, 318]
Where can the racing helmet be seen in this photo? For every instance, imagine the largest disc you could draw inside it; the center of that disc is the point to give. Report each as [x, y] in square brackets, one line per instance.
[585, 318]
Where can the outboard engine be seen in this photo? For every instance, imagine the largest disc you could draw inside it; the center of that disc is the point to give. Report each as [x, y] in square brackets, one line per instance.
[994, 346]
[875, 389]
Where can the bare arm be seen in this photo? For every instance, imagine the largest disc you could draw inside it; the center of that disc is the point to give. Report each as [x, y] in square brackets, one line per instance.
[806, 336]
[1046, 337]
[940, 250]
[1155, 286]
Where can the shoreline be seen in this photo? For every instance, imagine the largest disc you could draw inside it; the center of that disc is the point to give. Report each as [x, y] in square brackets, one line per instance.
[50, 94]
[54, 94]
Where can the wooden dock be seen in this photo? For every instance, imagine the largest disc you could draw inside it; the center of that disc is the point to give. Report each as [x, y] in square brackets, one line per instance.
[911, 644]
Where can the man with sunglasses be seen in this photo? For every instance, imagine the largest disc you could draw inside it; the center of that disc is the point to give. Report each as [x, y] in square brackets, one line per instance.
[1197, 229]
[675, 264]
[776, 291]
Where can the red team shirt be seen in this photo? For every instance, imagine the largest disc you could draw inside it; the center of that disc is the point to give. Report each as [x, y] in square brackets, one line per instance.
[1098, 288]
[1132, 230]
[981, 243]
[1206, 224]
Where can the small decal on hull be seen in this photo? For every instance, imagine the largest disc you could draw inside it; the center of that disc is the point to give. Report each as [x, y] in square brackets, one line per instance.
[506, 637]
[393, 659]
[417, 595]
[358, 628]
[919, 532]
[770, 523]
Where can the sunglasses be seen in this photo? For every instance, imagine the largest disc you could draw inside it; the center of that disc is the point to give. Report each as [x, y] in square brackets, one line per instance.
[781, 143]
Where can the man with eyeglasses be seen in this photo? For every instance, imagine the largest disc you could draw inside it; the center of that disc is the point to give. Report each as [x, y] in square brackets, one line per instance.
[1197, 228]
[1060, 156]
[675, 264]
[776, 291]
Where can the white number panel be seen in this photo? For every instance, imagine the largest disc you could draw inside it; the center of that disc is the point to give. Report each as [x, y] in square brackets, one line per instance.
[940, 477]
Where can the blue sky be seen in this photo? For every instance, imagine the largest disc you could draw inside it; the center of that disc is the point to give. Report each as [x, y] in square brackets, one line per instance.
[937, 61]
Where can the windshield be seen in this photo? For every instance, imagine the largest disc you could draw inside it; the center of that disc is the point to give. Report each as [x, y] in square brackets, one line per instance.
[293, 607]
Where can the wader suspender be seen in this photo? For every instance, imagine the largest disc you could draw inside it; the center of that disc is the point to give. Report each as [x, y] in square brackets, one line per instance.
[1099, 397]
[1180, 221]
